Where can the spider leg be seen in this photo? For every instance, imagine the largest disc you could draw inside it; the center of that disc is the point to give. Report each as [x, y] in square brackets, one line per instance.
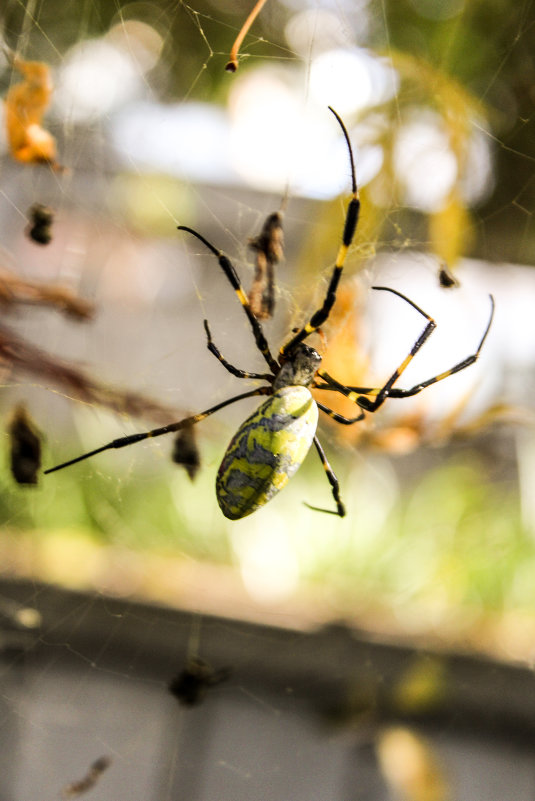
[407, 393]
[333, 387]
[333, 481]
[372, 405]
[230, 367]
[338, 418]
[228, 268]
[356, 394]
[350, 225]
[131, 439]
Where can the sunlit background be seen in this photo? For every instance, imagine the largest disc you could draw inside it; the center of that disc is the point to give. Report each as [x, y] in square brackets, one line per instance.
[149, 647]
[152, 133]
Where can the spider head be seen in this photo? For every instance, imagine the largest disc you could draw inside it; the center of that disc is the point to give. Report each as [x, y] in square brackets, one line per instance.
[299, 367]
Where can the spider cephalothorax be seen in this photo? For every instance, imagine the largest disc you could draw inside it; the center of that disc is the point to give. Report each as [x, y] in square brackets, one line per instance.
[298, 367]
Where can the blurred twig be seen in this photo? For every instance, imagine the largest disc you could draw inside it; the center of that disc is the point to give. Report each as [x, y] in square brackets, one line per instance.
[87, 783]
[15, 290]
[232, 64]
[18, 355]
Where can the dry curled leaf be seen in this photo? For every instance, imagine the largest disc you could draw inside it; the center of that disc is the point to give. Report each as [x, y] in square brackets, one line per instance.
[190, 686]
[24, 447]
[25, 105]
[186, 452]
[268, 246]
[39, 229]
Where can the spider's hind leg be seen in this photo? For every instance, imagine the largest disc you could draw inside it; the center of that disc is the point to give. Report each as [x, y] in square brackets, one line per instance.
[187, 422]
[379, 395]
[333, 481]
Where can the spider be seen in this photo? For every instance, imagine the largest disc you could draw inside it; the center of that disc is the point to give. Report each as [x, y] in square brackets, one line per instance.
[272, 443]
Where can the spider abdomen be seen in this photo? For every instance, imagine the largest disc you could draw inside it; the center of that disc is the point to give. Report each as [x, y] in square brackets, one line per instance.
[266, 451]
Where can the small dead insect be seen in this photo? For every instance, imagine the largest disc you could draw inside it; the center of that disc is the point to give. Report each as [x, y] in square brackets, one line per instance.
[89, 780]
[232, 64]
[268, 246]
[446, 278]
[186, 452]
[192, 683]
[25, 104]
[40, 221]
[25, 447]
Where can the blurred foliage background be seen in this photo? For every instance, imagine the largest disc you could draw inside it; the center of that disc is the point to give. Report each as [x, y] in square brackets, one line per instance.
[437, 540]
[454, 56]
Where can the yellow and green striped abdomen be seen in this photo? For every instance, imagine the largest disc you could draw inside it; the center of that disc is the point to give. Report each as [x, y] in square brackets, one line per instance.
[266, 451]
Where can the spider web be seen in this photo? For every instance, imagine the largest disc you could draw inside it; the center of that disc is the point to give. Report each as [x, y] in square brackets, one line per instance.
[120, 575]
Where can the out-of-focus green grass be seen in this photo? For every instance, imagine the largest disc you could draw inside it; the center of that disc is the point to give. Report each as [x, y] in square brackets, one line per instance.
[451, 545]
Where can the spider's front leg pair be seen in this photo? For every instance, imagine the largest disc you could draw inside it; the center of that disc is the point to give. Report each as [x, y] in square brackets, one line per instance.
[370, 399]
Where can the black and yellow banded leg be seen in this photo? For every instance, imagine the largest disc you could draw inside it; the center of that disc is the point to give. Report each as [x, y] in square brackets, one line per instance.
[334, 385]
[338, 418]
[383, 393]
[131, 439]
[373, 405]
[462, 365]
[212, 347]
[350, 226]
[333, 481]
[232, 275]
[357, 394]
